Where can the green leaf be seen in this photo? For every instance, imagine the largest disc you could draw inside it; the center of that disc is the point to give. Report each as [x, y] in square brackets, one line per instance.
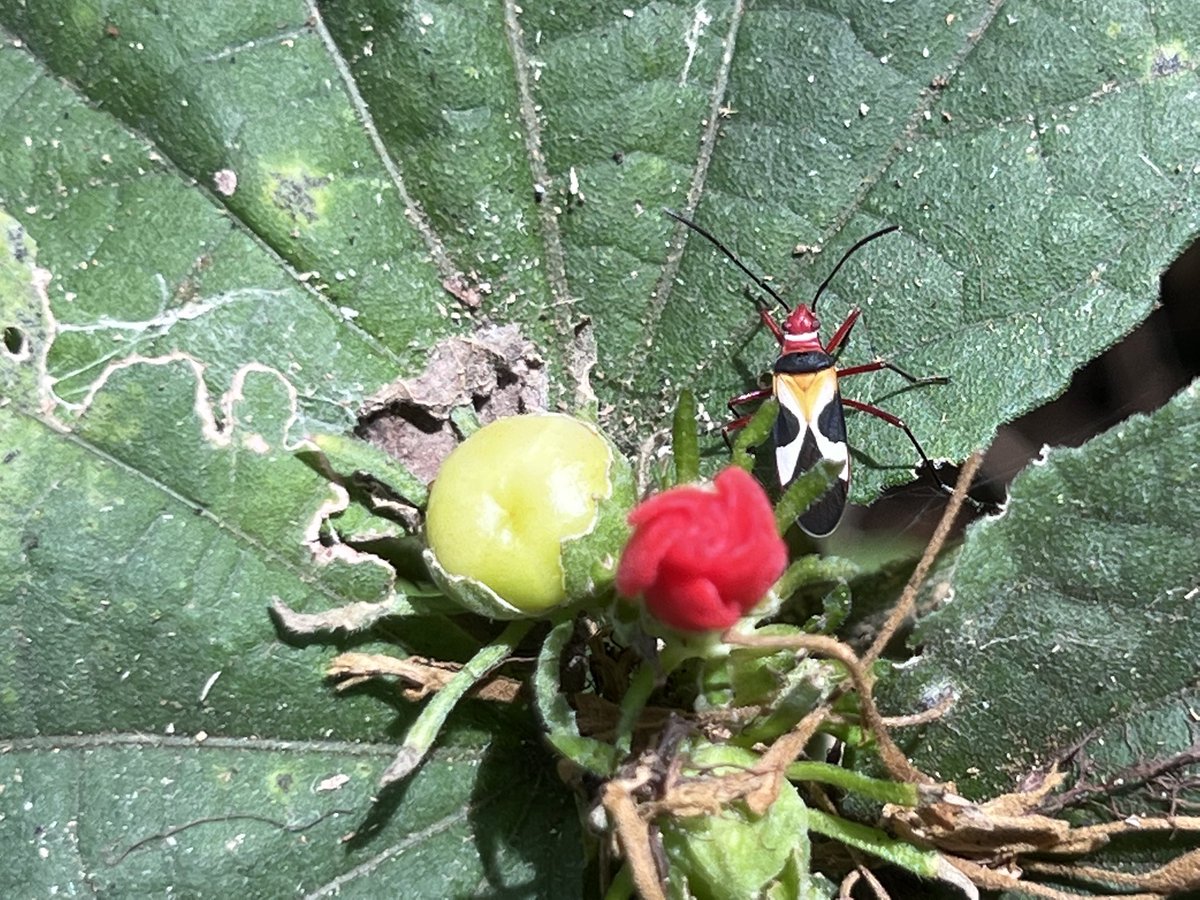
[226, 225]
[351, 459]
[1072, 615]
[144, 815]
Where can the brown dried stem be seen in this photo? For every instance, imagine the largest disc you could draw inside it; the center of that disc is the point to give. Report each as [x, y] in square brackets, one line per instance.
[908, 597]
[420, 676]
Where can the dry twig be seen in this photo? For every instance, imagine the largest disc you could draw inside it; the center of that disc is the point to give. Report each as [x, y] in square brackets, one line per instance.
[420, 676]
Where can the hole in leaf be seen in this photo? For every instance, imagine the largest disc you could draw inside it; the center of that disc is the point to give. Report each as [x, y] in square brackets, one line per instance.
[495, 371]
[14, 340]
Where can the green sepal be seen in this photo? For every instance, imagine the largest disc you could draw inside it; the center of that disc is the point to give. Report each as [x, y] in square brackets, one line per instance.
[803, 491]
[348, 459]
[685, 444]
[562, 730]
[757, 430]
[590, 560]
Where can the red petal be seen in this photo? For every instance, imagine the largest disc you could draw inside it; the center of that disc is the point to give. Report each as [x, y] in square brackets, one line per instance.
[677, 501]
[701, 558]
[692, 605]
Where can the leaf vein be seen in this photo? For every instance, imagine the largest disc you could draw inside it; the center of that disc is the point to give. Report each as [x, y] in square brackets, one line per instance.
[265, 552]
[412, 209]
[334, 886]
[708, 143]
[52, 743]
[909, 133]
[531, 131]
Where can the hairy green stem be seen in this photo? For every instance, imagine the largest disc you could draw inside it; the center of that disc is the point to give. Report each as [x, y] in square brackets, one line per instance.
[879, 789]
[641, 686]
[924, 863]
[424, 731]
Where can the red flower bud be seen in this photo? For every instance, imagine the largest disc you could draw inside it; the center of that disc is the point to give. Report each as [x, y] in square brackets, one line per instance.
[702, 558]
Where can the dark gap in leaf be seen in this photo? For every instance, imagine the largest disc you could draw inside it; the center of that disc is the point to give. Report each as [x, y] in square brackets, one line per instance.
[387, 496]
[495, 372]
[1138, 374]
[411, 435]
[504, 378]
[403, 555]
[14, 340]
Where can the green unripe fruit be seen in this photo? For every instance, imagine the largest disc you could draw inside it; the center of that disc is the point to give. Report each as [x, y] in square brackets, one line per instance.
[527, 514]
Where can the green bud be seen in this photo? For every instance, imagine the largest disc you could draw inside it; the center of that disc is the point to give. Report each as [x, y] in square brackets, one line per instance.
[527, 514]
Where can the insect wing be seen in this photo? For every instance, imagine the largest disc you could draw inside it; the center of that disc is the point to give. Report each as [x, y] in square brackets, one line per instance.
[811, 426]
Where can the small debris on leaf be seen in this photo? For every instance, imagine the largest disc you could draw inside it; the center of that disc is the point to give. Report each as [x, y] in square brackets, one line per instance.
[225, 181]
[467, 289]
[333, 782]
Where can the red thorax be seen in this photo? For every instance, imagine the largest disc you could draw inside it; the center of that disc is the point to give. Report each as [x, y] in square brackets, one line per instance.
[800, 331]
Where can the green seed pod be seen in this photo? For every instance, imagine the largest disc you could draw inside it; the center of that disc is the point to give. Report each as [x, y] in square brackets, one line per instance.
[528, 514]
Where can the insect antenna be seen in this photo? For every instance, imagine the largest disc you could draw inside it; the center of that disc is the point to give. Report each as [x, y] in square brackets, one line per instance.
[737, 262]
[845, 256]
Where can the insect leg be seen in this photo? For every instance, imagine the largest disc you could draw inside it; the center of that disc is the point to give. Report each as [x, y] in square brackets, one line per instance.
[899, 423]
[884, 364]
[749, 397]
[773, 326]
[728, 427]
[843, 332]
[741, 421]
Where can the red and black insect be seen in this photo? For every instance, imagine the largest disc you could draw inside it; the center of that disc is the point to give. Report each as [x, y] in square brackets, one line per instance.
[811, 424]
